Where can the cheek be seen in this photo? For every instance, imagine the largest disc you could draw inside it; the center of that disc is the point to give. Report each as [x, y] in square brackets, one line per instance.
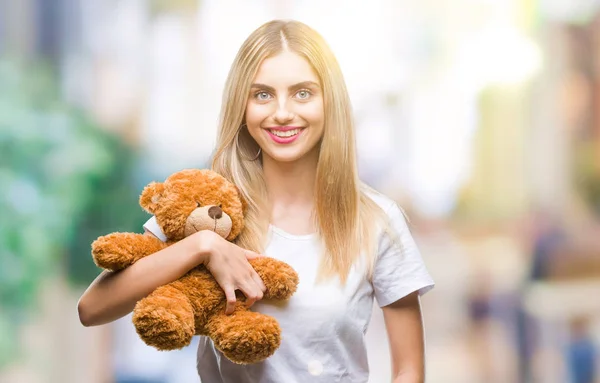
[256, 114]
[314, 114]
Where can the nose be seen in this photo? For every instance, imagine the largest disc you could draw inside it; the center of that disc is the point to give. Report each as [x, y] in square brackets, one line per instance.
[283, 114]
[215, 212]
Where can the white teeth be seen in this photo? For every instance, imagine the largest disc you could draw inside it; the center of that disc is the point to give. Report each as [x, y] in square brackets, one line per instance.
[288, 133]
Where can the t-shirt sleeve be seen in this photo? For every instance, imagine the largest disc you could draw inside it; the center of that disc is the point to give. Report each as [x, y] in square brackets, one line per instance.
[399, 268]
[152, 226]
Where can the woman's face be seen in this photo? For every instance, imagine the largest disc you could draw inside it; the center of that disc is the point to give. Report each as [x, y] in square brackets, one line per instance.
[285, 113]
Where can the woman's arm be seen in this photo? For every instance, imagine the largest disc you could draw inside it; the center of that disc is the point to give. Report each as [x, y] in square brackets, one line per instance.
[113, 295]
[404, 326]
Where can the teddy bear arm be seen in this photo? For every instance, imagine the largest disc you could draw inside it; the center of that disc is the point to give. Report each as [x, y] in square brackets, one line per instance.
[117, 251]
[280, 279]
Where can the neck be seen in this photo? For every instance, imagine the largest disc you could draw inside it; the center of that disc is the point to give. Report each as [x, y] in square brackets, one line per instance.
[291, 183]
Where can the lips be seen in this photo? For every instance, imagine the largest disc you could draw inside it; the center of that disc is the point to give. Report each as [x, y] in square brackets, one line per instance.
[284, 134]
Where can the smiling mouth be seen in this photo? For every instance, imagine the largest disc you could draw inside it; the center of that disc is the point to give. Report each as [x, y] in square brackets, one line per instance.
[285, 133]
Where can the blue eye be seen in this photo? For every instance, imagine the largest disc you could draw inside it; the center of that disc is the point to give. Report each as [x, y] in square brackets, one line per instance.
[262, 96]
[303, 94]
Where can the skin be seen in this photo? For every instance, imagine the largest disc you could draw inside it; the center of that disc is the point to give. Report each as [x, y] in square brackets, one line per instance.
[404, 325]
[285, 92]
[289, 169]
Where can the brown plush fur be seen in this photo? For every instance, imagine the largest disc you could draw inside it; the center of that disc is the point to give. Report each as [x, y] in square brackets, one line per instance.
[168, 318]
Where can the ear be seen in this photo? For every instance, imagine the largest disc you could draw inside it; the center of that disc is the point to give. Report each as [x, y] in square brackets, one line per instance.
[151, 196]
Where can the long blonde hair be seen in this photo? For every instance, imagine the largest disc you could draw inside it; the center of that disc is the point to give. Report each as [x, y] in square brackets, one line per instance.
[347, 219]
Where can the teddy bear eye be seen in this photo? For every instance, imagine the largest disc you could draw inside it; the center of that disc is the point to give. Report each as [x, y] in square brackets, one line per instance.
[198, 204]
[220, 205]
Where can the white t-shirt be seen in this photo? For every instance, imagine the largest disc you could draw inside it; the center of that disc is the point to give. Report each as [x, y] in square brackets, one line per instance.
[323, 326]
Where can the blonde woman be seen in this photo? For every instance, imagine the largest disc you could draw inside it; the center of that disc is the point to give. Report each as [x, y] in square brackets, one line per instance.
[286, 139]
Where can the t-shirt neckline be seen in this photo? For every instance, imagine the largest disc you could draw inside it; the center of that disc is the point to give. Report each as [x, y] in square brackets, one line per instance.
[296, 237]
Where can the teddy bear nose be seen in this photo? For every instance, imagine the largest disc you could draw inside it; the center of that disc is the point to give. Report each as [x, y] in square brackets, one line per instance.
[215, 212]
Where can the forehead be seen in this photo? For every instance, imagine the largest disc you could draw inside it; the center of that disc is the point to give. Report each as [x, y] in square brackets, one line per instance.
[285, 68]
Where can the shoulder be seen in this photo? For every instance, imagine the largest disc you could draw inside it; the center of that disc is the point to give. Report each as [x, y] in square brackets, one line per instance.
[391, 223]
[387, 205]
[399, 268]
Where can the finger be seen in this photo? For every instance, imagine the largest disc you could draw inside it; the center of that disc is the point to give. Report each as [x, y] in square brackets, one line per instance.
[258, 280]
[250, 302]
[252, 255]
[251, 291]
[230, 296]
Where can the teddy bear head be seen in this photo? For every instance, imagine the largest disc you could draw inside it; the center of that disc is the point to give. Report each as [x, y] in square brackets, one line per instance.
[192, 200]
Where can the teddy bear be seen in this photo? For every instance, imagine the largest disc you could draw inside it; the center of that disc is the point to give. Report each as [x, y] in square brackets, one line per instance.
[186, 202]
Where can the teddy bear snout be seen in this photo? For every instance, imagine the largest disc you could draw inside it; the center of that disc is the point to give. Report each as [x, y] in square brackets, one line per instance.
[208, 218]
[215, 212]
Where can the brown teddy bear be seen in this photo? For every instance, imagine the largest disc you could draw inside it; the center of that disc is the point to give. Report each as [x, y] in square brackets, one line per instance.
[167, 319]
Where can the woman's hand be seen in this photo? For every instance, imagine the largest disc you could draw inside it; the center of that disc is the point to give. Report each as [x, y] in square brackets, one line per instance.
[228, 263]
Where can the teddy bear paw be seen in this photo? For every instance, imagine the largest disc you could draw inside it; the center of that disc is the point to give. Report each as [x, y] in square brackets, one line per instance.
[110, 252]
[164, 328]
[247, 337]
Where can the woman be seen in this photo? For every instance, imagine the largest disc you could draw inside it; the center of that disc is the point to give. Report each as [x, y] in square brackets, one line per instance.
[286, 139]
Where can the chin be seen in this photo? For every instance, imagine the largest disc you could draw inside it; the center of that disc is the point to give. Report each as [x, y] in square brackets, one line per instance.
[287, 157]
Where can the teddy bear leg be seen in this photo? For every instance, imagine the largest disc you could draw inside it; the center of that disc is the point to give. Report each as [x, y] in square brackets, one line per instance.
[245, 337]
[118, 250]
[165, 319]
[280, 279]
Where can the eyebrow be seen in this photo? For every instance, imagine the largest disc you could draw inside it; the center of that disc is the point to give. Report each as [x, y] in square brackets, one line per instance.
[303, 84]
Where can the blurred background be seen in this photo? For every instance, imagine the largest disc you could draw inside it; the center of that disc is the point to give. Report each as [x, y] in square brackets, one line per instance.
[480, 117]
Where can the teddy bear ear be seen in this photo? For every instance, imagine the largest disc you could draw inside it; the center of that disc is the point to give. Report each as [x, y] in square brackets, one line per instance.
[151, 196]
